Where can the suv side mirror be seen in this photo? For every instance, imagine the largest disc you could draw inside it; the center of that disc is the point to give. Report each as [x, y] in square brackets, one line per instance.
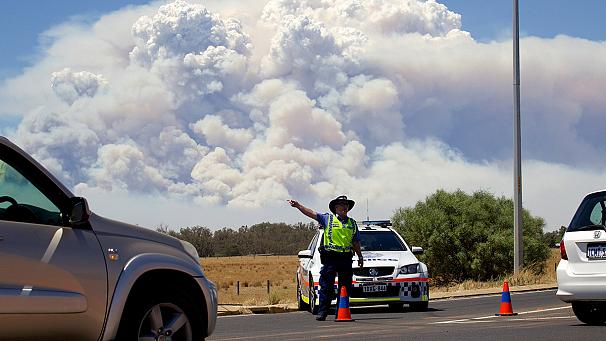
[79, 212]
[304, 254]
[416, 250]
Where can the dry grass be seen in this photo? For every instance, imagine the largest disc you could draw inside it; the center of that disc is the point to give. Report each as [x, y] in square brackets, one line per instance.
[254, 271]
[541, 274]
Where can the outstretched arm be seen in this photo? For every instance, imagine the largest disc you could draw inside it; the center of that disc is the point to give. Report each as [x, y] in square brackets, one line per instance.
[308, 212]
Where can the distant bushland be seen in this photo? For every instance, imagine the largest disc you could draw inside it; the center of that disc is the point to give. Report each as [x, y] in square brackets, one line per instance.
[263, 238]
[465, 237]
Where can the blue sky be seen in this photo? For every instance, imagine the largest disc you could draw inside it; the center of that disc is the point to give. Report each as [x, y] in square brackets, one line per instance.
[21, 22]
[487, 20]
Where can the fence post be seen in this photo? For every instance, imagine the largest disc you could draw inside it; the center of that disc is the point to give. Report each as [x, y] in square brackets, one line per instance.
[238, 286]
[268, 286]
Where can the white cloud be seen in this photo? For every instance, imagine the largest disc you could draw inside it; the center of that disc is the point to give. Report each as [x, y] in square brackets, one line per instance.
[386, 17]
[372, 107]
[175, 153]
[212, 70]
[385, 100]
[179, 28]
[65, 146]
[69, 85]
[217, 133]
[124, 166]
[294, 118]
[300, 43]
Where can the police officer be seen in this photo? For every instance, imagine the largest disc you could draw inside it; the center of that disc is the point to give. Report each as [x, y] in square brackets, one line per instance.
[340, 237]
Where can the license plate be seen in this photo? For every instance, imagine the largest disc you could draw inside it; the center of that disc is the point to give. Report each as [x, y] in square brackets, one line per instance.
[374, 288]
[597, 251]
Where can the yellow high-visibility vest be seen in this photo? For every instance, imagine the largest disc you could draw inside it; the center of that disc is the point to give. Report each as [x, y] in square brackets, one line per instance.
[338, 237]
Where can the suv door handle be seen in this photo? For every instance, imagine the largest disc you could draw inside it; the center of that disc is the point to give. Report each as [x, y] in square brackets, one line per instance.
[1, 238]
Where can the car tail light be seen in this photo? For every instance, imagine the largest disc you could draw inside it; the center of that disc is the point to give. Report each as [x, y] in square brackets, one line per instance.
[563, 250]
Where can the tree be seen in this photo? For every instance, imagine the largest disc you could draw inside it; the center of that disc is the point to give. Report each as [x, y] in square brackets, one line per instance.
[553, 238]
[226, 242]
[469, 236]
[163, 228]
[276, 238]
[200, 237]
[262, 238]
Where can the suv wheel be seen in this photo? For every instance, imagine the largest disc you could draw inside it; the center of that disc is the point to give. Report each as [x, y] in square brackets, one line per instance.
[165, 320]
[166, 315]
[591, 313]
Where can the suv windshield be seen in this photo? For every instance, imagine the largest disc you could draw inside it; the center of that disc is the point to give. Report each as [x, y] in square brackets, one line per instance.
[591, 213]
[380, 241]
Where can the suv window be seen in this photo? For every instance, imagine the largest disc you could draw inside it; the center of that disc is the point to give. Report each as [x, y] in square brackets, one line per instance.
[21, 201]
[380, 241]
[592, 211]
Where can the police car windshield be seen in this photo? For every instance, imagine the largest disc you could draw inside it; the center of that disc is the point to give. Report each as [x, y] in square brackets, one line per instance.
[380, 241]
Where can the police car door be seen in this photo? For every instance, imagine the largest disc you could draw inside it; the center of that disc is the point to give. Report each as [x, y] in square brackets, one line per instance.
[307, 264]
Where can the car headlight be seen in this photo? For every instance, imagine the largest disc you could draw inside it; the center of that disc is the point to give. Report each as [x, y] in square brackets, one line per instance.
[191, 250]
[409, 269]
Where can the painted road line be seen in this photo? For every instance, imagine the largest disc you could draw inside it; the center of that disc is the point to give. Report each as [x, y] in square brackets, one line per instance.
[493, 316]
[476, 296]
[528, 319]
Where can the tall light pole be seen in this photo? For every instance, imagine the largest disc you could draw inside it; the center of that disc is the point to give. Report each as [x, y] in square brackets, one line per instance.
[518, 247]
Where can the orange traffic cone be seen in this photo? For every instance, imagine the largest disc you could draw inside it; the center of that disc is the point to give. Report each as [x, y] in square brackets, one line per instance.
[506, 308]
[343, 313]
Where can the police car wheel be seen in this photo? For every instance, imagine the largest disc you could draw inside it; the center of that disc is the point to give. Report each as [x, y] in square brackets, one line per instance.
[301, 304]
[419, 306]
[396, 307]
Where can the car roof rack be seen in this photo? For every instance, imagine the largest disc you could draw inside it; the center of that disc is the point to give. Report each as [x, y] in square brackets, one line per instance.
[381, 223]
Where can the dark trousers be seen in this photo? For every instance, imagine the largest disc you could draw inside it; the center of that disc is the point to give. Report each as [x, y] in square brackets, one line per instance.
[331, 266]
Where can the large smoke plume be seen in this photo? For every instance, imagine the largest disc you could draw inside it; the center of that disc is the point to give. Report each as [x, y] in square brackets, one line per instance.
[385, 100]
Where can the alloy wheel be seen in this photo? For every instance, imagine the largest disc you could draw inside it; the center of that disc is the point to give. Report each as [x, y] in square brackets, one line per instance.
[165, 322]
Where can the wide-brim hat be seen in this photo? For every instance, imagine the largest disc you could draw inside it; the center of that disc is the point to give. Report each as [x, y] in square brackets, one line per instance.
[339, 199]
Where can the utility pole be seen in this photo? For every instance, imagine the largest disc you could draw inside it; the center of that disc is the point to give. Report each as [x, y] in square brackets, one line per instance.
[518, 247]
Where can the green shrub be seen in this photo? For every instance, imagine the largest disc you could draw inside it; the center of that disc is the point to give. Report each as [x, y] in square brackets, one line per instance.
[469, 236]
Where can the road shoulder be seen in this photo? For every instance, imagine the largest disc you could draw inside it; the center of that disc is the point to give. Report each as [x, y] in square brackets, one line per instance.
[229, 309]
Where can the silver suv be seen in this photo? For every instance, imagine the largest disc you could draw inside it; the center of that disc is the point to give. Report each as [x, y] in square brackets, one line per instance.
[582, 270]
[68, 274]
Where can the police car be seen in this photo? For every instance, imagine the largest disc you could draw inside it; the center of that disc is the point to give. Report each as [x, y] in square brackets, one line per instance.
[391, 275]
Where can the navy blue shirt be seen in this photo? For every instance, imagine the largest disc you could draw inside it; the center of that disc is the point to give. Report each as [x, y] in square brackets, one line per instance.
[324, 218]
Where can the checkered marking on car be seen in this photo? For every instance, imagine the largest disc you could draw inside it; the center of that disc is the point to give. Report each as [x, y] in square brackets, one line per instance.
[406, 289]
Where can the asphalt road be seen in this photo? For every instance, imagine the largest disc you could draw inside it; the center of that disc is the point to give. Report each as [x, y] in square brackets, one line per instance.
[541, 316]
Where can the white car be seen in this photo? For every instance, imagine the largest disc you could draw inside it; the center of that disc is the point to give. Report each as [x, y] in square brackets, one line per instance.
[391, 274]
[582, 271]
